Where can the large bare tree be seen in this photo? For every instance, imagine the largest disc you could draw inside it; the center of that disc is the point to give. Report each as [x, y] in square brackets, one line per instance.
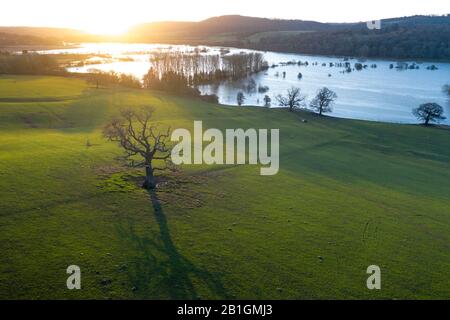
[429, 112]
[293, 100]
[323, 100]
[142, 141]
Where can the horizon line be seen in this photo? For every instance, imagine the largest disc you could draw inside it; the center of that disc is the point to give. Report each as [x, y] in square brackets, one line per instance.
[212, 17]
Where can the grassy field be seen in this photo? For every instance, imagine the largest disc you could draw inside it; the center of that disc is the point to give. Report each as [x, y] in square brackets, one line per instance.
[354, 193]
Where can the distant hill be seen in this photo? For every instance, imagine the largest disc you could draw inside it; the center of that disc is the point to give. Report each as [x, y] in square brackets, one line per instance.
[443, 20]
[36, 36]
[12, 39]
[49, 33]
[218, 26]
[417, 37]
[421, 37]
[223, 25]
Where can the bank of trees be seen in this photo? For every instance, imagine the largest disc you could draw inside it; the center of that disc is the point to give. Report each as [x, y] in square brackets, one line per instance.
[392, 41]
[111, 78]
[199, 68]
[180, 73]
[169, 81]
[30, 63]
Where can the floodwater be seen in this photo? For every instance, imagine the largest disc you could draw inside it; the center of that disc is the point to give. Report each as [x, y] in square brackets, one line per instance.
[378, 94]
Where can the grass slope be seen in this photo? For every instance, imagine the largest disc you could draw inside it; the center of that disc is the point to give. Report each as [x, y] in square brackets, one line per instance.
[354, 193]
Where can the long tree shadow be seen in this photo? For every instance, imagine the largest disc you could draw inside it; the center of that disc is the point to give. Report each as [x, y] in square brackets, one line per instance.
[162, 267]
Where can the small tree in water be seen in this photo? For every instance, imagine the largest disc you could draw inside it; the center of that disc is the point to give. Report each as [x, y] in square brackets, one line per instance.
[240, 98]
[267, 101]
[142, 142]
[429, 112]
[446, 89]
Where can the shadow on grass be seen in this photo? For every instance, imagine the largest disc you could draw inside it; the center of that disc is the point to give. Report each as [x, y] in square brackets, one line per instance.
[161, 270]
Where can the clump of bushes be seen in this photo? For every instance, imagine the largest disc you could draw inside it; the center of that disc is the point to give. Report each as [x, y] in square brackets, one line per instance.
[358, 66]
[174, 83]
[250, 86]
[169, 82]
[263, 89]
[101, 78]
[212, 98]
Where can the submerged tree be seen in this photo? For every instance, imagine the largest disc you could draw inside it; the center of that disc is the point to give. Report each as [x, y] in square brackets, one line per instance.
[293, 99]
[142, 142]
[323, 100]
[446, 89]
[429, 112]
[240, 98]
[267, 101]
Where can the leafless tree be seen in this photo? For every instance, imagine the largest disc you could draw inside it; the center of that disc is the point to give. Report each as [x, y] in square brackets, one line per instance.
[197, 65]
[142, 141]
[267, 101]
[323, 100]
[293, 100]
[429, 112]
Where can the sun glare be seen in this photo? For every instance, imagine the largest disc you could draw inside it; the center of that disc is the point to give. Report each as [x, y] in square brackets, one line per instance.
[106, 27]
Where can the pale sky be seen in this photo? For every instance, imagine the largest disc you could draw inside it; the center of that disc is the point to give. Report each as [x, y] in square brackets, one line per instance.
[116, 16]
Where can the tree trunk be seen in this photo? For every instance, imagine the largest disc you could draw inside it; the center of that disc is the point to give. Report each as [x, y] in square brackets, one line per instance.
[427, 120]
[322, 107]
[150, 182]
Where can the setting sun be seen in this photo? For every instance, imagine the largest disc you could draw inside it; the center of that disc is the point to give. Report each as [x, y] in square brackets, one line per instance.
[105, 27]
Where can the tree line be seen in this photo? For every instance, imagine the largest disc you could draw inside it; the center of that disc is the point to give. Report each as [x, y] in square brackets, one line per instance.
[205, 68]
[180, 73]
[322, 103]
[33, 64]
[294, 99]
[391, 41]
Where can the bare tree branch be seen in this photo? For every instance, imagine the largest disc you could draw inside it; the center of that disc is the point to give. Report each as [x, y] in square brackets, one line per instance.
[142, 141]
[293, 100]
[323, 101]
